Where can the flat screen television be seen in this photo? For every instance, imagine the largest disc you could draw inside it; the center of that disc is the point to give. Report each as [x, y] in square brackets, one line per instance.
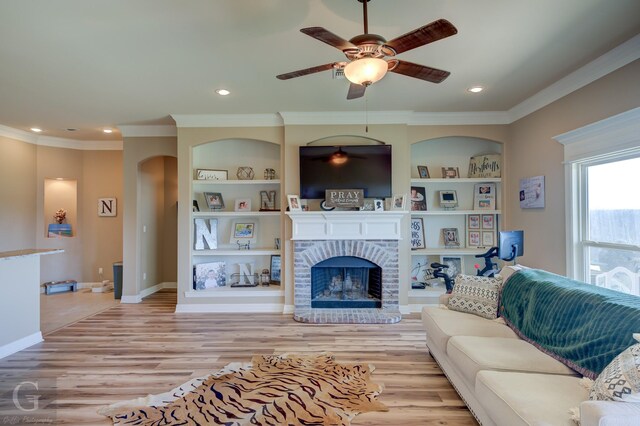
[366, 167]
[511, 245]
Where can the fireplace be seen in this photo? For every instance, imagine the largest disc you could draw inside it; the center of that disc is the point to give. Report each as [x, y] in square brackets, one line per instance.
[345, 267]
[346, 282]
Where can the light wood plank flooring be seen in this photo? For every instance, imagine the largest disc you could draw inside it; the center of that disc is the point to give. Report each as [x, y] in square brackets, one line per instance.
[129, 351]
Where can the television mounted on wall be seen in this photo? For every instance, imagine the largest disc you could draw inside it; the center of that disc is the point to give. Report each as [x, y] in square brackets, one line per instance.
[366, 167]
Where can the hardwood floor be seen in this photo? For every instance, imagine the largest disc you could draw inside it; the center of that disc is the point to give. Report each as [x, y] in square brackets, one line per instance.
[129, 351]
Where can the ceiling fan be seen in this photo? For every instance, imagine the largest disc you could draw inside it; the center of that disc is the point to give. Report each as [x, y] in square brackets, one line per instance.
[366, 54]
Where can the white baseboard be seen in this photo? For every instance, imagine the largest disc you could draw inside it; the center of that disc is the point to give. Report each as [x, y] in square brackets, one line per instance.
[230, 308]
[147, 292]
[20, 344]
[289, 309]
[404, 309]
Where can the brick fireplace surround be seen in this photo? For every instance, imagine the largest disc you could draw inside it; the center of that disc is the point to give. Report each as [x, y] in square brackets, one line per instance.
[318, 236]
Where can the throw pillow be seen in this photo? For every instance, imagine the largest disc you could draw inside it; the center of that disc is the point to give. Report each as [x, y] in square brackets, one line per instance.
[476, 295]
[620, 380]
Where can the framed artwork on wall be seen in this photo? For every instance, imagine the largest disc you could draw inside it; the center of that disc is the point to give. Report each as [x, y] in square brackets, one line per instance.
[417, 233]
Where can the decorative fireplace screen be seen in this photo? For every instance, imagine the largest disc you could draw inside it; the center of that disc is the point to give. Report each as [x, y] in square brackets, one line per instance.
[346, 282]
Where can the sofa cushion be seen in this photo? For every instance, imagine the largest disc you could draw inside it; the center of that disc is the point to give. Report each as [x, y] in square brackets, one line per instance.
[620, 380]
[524, 399]
[471, 354]
[476, 295]
[442, 323]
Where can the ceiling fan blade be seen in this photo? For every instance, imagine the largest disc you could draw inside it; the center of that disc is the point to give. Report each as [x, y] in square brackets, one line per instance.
[410, 69]
[356, 91]
[437, 30]
[330, 38]
[305, 71]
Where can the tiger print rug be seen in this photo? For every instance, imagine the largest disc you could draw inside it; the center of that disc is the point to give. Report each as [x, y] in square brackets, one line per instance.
[288, 389]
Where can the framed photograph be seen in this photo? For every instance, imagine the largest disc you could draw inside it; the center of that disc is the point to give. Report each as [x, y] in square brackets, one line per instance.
[450, 237]
[294, 203]
[417, 233]
[473, 221]
[214, 200]
[243, 205]
[423, 172]
[487, 238]
[488, 221]
[473, 239]
[209, 275]
[484, 196]
[450, 172]
[378, 205]
[274, 274]
[244, 230]
[399, 201]
[418, 198]
[206, 174]
[455, 265]
[448, 199]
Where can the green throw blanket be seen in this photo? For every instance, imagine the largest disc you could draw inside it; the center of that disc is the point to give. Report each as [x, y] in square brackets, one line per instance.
[581, 325]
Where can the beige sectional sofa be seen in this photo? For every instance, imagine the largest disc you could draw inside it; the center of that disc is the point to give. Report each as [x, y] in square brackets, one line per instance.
[507, 381]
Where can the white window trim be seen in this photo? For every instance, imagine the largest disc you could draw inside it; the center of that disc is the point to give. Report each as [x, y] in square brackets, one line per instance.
[614, 137]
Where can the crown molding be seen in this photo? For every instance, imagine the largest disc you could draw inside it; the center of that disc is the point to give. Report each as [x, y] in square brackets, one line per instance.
[345, 117]
[135, 131]
[227, 120]
[616, 58]
[31, 138]
[617, 133]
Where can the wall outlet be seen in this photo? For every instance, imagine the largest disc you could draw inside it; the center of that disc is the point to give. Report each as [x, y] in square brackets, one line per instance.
[99, 271]
[144, 275]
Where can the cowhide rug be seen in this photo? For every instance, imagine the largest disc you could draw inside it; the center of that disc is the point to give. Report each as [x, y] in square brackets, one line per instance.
[274, 390]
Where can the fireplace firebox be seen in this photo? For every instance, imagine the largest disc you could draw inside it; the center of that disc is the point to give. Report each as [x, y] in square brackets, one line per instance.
[346, 282]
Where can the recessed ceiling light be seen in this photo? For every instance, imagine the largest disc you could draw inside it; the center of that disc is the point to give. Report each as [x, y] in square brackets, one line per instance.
[223, 92]
[107, 131]
[36, 129]
[475, 89]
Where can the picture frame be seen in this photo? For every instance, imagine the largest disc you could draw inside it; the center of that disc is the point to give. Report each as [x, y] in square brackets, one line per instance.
[195, 207]
[209, 174]
[450, 172]
[378, 205]
[417, 233]
[214, 200]
[275, 269]
[399, 201]
[243, 230]
[209, 275]
[450, 237]
[488, 239]
[294, 203]
[423, 172]
[473, 239]
[473, 221]
[107, 207]
[532, 193]
[484, 196]
[418, 198]
[448, 199]
[455, 265]
[488, 221]
[243, 205]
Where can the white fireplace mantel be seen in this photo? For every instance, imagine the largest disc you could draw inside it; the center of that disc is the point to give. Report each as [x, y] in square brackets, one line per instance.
[347, 225]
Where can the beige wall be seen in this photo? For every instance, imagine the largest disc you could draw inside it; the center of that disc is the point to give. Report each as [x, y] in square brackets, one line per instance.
[17, 194]
[136, 151]
[532, 152]
[170, 235]
[101, 236]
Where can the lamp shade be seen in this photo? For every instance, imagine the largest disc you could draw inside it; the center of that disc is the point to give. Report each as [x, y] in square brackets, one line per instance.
[366, 71]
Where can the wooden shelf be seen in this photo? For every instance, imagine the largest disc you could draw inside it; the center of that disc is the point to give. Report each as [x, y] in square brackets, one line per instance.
[235, 214]
[235, 252]
[450, 212]
[237, 182]
[458, 180]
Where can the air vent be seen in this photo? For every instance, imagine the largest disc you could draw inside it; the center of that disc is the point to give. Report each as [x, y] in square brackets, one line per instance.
[338, 73]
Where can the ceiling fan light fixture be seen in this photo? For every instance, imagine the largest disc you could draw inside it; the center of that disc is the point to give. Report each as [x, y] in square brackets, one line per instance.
[366, 71]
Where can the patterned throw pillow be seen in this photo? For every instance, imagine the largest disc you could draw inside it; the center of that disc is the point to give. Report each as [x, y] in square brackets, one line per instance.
[620, 380]
[476, 295]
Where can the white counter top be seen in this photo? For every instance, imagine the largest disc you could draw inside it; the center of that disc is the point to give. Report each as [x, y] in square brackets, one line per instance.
[6, 255]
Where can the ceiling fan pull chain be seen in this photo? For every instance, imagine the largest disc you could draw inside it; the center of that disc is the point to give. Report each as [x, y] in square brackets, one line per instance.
[366, 113]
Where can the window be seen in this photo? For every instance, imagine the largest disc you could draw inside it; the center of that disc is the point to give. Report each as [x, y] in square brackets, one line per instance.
[602, 176]
[608, 248]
